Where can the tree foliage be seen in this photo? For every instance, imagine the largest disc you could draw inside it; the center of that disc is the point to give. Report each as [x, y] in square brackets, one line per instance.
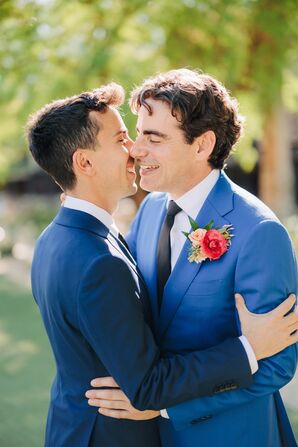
[54, 48]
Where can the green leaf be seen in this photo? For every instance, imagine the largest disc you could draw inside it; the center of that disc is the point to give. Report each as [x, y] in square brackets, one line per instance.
[209, 225]
[193, 224]
[185, 234]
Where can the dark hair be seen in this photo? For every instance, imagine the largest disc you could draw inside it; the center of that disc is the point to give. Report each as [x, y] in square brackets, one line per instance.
[57, 130]
[200, 103]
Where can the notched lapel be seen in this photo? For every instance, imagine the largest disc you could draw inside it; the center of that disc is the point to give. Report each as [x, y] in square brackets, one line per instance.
[126, 255]
[218, 203]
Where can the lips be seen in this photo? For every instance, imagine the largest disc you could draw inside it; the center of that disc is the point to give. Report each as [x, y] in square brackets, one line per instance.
[147, 169]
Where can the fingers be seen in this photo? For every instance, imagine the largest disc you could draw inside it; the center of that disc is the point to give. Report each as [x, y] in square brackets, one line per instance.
[109, 404]
[279, 311]
[285, 306]
[104, 381]
[94, 402]
[111, 394]
[291, 320]
[240, 304]
[117, 414]
[292, 339]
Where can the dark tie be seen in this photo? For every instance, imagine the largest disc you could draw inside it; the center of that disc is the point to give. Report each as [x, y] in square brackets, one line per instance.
[164, 250]
[121, 238]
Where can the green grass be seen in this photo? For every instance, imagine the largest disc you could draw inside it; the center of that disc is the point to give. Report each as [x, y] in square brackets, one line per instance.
[293, 415]
[27, 369]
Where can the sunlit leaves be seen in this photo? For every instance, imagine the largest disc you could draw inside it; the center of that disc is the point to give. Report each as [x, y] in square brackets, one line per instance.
[54, 48]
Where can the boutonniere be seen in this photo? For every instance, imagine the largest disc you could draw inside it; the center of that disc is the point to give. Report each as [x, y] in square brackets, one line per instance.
[209, 242]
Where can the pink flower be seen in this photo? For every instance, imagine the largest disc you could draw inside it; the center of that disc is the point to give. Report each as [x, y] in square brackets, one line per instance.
[197, 236]
[214, 244]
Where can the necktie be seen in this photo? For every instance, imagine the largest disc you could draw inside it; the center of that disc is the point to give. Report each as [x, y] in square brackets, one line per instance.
[121, 238]
[164, 249]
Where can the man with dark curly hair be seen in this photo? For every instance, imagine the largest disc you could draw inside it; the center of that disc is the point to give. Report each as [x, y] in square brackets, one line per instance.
[187, 126]
[91, 295]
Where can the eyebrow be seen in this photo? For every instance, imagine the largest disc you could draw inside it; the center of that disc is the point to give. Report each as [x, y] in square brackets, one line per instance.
[154, 132]
[120, 131]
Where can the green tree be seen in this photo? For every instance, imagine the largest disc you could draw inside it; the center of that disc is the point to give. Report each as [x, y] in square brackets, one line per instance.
[52, 48]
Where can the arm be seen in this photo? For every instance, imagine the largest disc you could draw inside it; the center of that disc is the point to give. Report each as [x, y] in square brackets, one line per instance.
[266, 272]
[112, 321]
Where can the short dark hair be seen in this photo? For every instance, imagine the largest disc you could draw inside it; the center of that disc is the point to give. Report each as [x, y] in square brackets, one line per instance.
[200, 103]
[57, 130]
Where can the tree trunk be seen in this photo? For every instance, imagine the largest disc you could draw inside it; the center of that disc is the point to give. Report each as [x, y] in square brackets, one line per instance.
[276, 166]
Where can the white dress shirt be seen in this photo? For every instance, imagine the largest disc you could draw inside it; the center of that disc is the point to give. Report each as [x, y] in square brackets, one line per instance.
[94, 210]
[191, 204]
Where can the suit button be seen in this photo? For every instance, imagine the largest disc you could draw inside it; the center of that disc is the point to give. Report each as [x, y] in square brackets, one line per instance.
[217, 389]
[201, 419]
[194, 421]
[225, 387]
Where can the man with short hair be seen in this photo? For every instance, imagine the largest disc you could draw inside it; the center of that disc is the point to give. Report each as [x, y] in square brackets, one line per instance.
[187, 126]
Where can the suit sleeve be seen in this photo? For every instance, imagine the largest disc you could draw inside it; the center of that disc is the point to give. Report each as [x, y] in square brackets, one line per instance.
[111, 319]
[266, 273]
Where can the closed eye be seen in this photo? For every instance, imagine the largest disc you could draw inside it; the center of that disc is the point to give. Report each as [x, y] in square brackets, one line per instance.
[153, 141]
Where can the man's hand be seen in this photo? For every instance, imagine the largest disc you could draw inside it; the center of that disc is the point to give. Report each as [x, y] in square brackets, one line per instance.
[271, 332]
[114, 403]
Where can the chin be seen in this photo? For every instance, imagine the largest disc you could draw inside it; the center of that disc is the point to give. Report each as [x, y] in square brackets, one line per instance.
[146, 186]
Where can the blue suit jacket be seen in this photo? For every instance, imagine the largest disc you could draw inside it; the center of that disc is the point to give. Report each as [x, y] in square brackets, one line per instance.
[94, 304]
[198, 311]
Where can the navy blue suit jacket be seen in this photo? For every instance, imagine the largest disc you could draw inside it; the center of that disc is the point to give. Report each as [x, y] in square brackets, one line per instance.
[95, 308]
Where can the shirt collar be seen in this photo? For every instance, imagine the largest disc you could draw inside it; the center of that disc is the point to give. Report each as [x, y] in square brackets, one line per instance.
[94, 210]
[192, 201]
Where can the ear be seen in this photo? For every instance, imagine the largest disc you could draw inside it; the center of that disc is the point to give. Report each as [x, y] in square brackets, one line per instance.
[83, 162]
[205, 144]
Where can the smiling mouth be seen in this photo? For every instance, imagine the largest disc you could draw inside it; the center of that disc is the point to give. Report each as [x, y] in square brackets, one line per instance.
[148, 168]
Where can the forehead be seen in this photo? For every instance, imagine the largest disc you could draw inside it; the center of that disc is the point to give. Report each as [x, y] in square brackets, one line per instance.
[160, 117]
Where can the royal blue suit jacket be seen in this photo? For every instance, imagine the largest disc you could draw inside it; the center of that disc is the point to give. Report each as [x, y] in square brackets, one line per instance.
[198, 311]
[94, 305]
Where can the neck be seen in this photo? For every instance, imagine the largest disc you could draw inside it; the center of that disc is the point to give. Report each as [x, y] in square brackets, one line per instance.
[190, 184]
[106, 203]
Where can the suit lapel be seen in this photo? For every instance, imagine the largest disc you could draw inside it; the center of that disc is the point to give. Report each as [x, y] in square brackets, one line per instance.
[150, 263]
[84, 221]
[218, 203]
[126, 255]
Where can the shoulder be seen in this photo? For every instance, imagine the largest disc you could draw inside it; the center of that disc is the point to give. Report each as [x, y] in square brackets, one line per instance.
[258, 225]
[152, 201]
[148, 208]
[154, 198]
[249, 209]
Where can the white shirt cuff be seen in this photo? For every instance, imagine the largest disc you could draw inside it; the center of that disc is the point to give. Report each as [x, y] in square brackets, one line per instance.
[250, 354]
[164, 414]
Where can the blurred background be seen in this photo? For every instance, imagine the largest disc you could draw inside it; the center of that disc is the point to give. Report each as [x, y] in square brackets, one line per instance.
[55, 48]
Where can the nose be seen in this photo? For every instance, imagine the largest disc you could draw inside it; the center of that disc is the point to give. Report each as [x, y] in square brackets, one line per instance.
[129, 143]
[137, 150]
